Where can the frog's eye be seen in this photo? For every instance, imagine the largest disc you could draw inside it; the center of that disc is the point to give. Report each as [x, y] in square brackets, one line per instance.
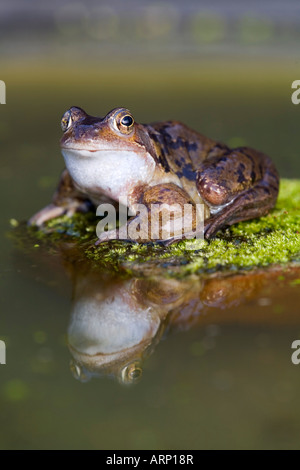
[71, 116]
[66, 121]
[131, 373]
[125, 123]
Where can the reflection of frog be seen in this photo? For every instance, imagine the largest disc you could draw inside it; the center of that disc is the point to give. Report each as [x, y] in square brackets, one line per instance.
[114, 328]
[116, 324]
[165, 162]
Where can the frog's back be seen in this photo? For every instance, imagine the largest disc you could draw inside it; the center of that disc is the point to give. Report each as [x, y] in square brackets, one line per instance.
[180, 147]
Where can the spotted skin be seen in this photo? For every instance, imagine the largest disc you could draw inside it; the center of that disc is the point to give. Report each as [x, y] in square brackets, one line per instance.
[243, 178]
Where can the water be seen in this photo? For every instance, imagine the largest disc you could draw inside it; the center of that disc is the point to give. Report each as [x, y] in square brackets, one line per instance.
[216, 357]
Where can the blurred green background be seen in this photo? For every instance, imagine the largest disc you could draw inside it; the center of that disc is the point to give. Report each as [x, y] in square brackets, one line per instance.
[223, 68]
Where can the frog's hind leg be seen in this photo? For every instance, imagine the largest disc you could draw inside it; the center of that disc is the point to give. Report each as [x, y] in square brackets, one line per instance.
[241, 185]
[254, 202]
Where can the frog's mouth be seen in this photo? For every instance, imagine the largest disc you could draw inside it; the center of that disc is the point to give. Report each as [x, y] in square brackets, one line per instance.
[107, 157]
[90, 152]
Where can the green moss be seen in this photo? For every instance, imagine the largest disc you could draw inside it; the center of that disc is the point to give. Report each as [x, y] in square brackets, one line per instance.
[271, 239]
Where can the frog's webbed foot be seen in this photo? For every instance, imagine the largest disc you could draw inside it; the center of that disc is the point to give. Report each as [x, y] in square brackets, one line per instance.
[169, 241]
[115, 234]
[107, 236]
[52, 211]
[47, 213]
[187, 236]
[66, 201]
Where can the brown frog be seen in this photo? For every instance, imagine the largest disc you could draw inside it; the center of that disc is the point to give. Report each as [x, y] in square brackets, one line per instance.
[161, 163]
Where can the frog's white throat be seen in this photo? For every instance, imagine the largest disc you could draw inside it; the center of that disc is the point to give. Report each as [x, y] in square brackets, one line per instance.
[110, 326]
[111, 172]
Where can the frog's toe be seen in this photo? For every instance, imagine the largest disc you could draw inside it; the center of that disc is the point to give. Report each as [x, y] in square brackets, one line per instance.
[212, 225]
[169, 242]
[106, 236]
[102, 239]
[47, 213]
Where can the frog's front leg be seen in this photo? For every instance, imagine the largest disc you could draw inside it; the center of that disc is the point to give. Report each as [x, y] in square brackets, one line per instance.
[239, 185]
[161, 216]
[67, 199]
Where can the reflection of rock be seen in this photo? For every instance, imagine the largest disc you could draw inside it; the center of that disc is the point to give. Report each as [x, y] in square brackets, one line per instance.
[116, 324]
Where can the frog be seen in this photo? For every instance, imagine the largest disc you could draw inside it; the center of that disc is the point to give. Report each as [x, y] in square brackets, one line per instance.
[114, 157]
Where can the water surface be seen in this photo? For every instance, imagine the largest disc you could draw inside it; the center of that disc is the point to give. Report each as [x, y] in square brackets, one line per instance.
[217, 370]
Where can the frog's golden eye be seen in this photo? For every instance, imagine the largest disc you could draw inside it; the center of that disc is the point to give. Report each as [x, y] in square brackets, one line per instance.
[66, 121]
[72, 116]
[125, 123]
[131, 373]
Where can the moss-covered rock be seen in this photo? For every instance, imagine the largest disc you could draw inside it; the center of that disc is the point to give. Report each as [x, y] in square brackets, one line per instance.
[271, 239]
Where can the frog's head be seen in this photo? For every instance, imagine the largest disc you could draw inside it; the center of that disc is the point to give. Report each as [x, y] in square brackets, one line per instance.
[110, 155]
